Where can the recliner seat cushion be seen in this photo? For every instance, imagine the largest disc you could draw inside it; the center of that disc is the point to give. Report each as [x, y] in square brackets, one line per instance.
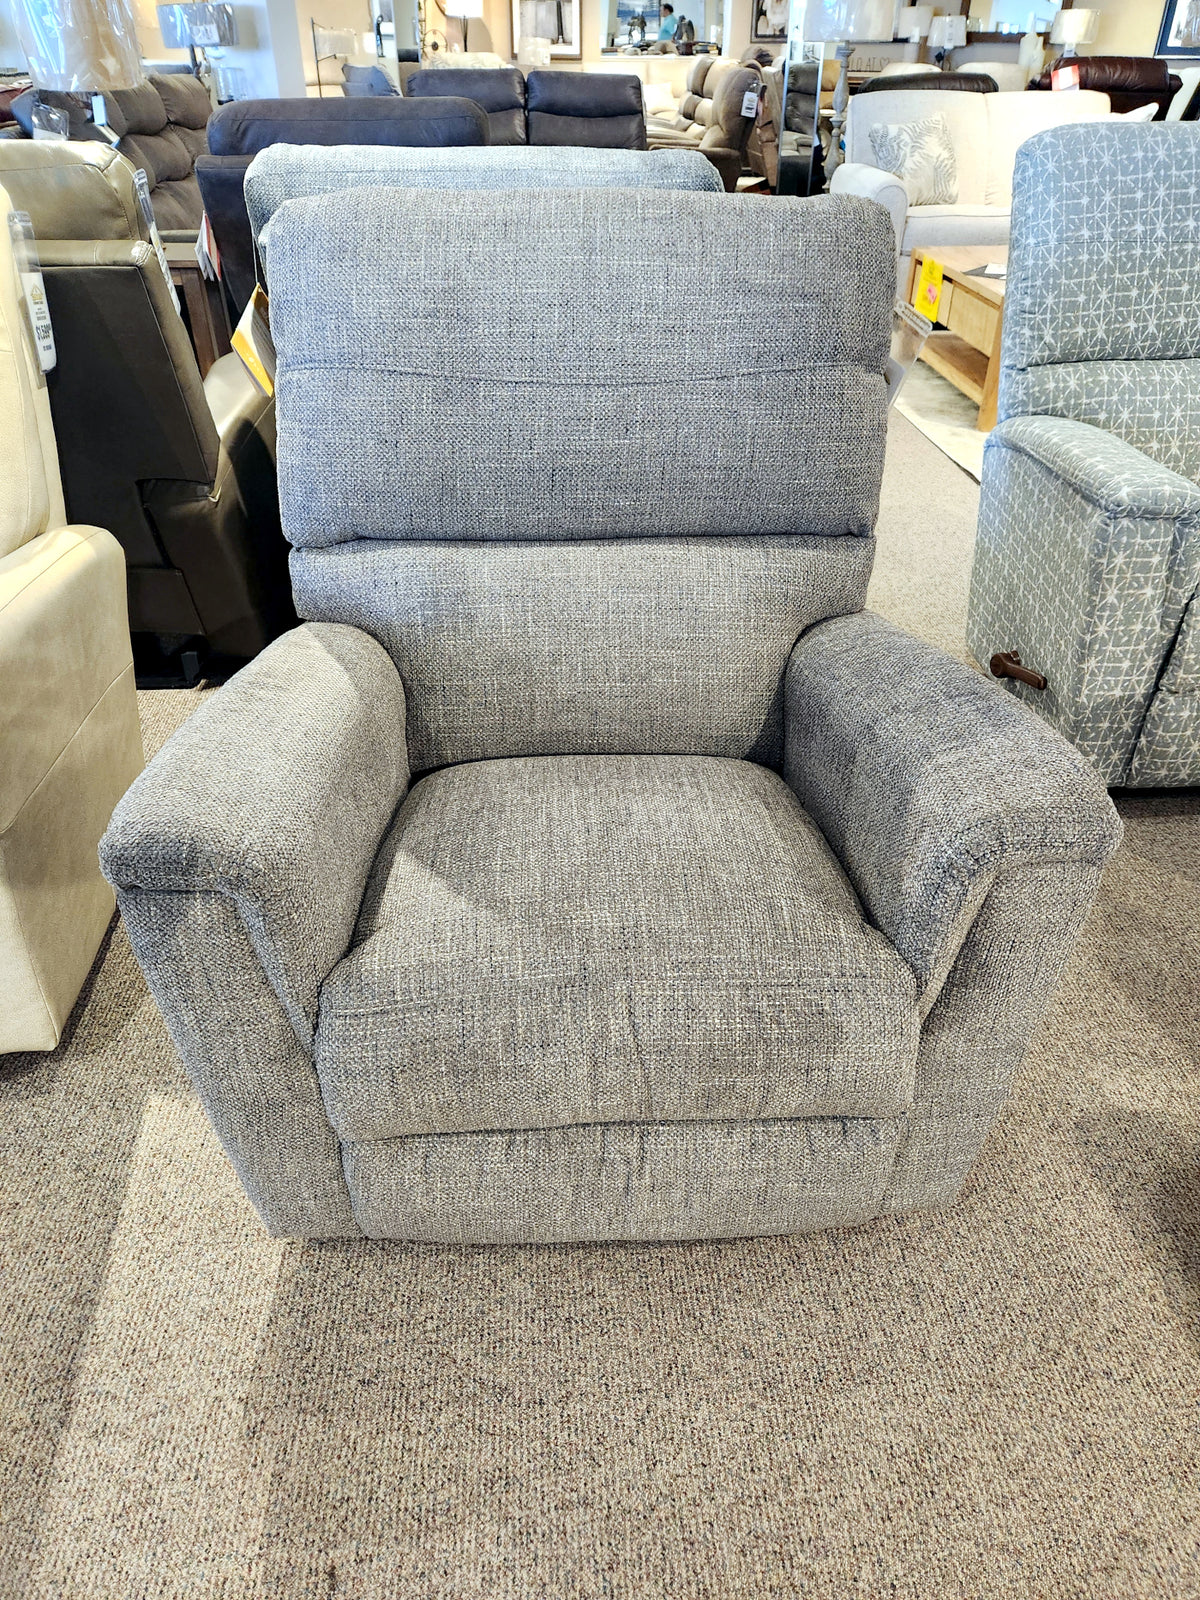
[573, 940]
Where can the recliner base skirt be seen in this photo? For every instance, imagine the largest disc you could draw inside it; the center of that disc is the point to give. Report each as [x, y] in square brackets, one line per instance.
[649, 1181]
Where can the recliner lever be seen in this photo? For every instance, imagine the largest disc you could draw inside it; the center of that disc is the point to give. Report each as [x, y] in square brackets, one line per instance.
[1007, 664]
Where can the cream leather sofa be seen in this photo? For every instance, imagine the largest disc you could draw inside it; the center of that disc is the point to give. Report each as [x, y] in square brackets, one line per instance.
[68, 714]
[986, 131]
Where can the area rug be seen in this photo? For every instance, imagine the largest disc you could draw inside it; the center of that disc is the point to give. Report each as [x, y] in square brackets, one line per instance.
[944, 416]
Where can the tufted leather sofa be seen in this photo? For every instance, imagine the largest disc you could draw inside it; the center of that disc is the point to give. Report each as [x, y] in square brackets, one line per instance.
[162, 127]
[710, 116]
[1128, 81]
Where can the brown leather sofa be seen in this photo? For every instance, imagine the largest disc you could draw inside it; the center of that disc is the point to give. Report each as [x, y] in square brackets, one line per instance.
[181, 471]
[1128, 81]
[710, 116]
[162, 127]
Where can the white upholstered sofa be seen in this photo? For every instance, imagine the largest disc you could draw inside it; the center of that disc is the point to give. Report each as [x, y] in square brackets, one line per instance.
[985, 129]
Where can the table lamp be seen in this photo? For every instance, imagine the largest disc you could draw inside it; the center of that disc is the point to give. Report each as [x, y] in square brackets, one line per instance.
[846, 23]
[80, 46]
[466, 9]
[1072, 28]
[946, 34]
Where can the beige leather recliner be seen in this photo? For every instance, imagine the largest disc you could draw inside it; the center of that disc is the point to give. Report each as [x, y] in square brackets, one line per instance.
[68, 713]
[710, 116]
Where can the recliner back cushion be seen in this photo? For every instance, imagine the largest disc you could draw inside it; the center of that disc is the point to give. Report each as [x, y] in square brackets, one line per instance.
[1102, 307]
[496, 475]
[289, 172]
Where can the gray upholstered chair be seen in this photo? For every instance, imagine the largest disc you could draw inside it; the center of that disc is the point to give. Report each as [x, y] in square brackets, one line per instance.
[590, 865]
[1087, 558]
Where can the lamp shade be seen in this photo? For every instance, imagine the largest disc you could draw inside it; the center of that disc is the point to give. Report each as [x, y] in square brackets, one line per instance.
[913, 22]
[836, 21]
[80, 46]
[1074, 26]
[466, 8]
[947, 33]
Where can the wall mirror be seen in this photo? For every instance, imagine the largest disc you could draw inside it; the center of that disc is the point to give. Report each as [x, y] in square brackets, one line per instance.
[692, 26]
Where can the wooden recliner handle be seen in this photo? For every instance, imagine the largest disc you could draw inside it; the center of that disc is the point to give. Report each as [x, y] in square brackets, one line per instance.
[1007, 664]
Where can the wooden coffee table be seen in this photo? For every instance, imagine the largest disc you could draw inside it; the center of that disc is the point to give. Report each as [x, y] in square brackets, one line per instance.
[965, 345]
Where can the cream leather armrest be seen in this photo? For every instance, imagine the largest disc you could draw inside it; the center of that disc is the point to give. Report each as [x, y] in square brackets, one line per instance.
[872, 183]
[72, 745]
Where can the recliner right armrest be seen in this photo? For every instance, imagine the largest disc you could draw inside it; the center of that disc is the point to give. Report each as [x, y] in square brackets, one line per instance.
[872, 183]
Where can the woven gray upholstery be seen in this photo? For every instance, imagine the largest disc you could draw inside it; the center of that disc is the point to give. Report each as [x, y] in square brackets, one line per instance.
[289, 172]
[509, 961]
[974, 836]
[542, 424]
[307, 788]
[556, 648]
[682, 1180]
[600, 976]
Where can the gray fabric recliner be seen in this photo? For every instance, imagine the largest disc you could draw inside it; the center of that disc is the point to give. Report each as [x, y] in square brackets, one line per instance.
[1087, 557]
[590, 866]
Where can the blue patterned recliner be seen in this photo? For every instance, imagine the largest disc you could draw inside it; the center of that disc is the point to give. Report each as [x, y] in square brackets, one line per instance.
[1088, 552]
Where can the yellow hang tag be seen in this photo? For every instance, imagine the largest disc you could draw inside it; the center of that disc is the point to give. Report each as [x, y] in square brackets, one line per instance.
[253, 343]
[928, 294]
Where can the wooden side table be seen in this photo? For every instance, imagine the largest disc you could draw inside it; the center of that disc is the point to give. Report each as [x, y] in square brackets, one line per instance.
[965, 346]
[202, 304]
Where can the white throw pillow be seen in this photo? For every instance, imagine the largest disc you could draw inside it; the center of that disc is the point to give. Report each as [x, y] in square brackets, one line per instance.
[922, 155]
[1146, 113]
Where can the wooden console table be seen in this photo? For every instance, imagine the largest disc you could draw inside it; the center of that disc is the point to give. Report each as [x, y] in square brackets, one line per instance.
[202, 303]
[965, 346]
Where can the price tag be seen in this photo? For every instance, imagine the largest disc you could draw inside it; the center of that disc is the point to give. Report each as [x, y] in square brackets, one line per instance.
[750, 103]
[253, 343]
[142, 184]
[1065, 77]
[206, 34]
[927, 295]
[33, 290]
[99, 111]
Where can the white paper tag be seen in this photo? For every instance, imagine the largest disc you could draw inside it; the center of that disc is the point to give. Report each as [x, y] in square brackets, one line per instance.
[142, 184]
[99, 111]
[33, 289]
[205, 34]
[39, 319]
[750, 103]
[207, 253]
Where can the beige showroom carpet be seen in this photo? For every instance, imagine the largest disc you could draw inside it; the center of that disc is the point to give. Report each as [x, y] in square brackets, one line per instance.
[997, 1401]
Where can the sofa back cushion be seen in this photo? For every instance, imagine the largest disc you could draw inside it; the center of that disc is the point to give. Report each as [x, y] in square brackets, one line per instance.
[965, 114]
[244, 127]
[485, 461]
[588, 108]
[1013, 118]
[1102, 308]
[499, 91]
